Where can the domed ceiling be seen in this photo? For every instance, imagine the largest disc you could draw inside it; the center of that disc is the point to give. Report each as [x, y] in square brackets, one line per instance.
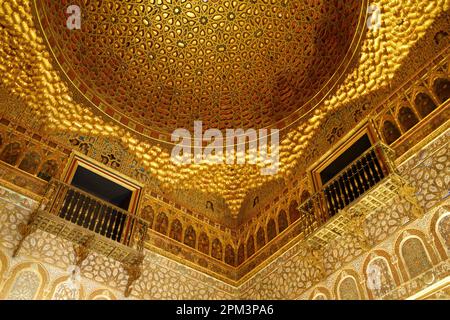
[156, 65]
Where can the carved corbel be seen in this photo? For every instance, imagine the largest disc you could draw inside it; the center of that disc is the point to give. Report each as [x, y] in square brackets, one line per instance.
[82, 250]
[134, 271]
[28, 228]
[141, 236]
[25, 230]
[356, 227]
[314, 257]
[408, 193]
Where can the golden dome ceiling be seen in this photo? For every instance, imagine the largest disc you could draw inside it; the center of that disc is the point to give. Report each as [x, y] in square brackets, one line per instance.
[159, 65]
[29, 71]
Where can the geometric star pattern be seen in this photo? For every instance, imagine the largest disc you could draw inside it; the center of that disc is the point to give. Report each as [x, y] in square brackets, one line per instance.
[162, 64]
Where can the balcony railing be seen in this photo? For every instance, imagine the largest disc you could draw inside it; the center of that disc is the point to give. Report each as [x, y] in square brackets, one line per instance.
[358, 178]
[90, 213]
[86, 220]
[365, 185]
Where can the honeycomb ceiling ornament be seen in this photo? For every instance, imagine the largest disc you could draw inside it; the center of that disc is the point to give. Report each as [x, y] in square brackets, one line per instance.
[29, 73]
[159, 65]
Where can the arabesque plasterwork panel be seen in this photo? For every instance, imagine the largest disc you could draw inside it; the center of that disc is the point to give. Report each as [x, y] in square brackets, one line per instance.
[54, 253]
[231, 209]
[405, 24]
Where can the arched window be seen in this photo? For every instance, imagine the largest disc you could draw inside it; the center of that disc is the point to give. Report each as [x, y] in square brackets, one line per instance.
[379, 277]
[442, 89]
[424, 104]
[216, 249]
[230, 256]
[250, 246]
[271, 230]
[101, 297]
[48, 170]
[30, 162]
[148, 215]
[407, 118]
[348, 289]
[203, 243]
[440, 36]
[65, 291]
[11, 153]
[308, 206]
[241, 254]
[294, 213]
[305, 196]
[176, 230]
[415, 257]
[282, 221]
[25, 287]
[189, 237]
[443, 230]
[162, 222]
[260, 238]
[390, 132]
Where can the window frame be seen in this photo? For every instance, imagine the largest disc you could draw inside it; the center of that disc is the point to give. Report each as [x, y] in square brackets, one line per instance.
[314, 172]
[78, 159]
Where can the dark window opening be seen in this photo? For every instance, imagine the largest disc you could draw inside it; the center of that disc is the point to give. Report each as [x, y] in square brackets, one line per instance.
[352, 174]
[91, 213]
[102, 188]
[345, 159]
